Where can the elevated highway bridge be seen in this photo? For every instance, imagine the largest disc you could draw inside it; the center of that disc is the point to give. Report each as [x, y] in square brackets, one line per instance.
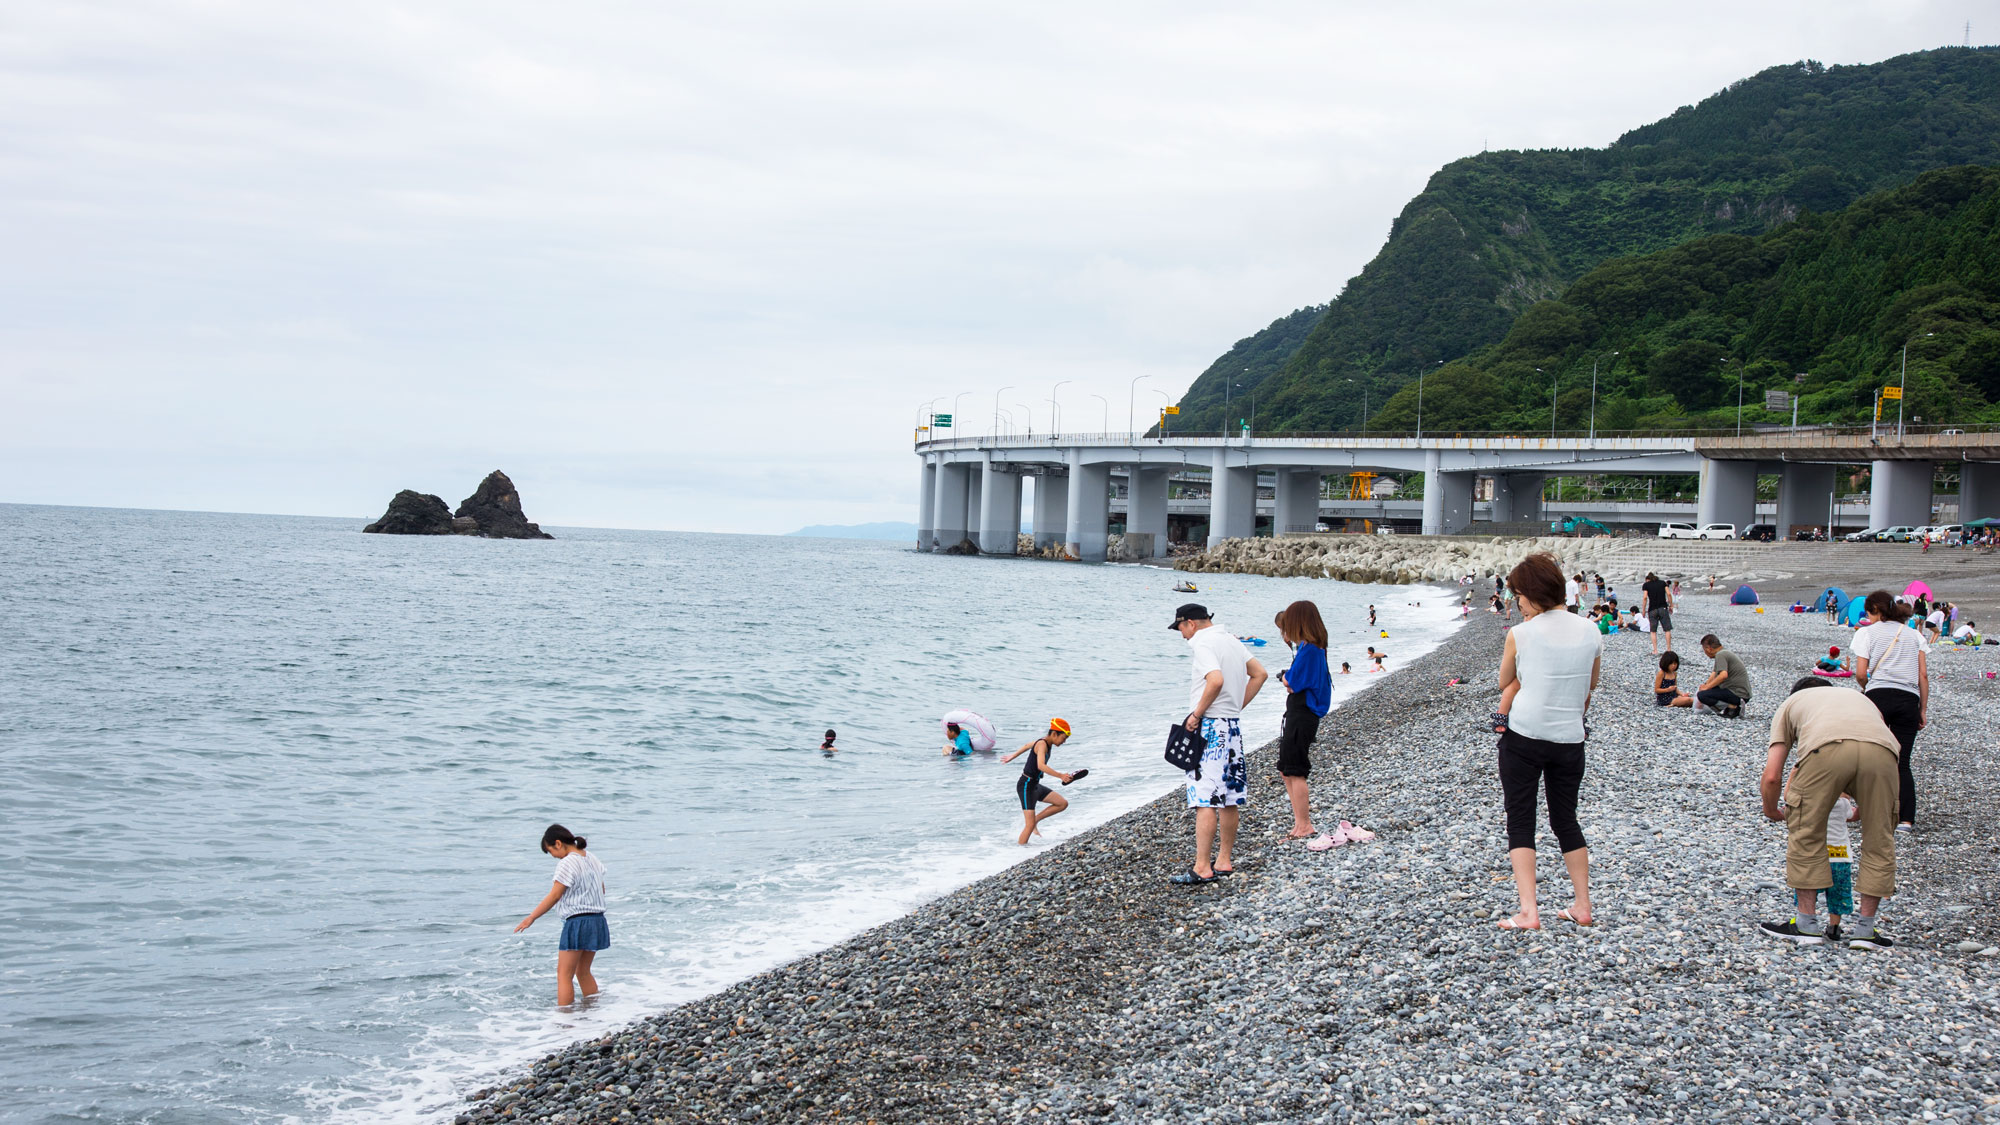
[970, 487]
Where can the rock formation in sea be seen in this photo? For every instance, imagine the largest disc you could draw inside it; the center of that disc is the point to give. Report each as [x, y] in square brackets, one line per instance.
[494, 511]
[414, 513]
[496, 507]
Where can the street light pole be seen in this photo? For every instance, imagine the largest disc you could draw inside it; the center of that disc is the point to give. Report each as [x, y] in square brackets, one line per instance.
[1107, 411]
[1132, 402]
[956, 426]
[1552, 404]
[996, 408]
[1055, 408]
[1902, 382]
[1593, 397]
[1739, 397]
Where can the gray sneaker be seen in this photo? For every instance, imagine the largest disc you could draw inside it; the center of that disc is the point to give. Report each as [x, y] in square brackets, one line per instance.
[1789, 931]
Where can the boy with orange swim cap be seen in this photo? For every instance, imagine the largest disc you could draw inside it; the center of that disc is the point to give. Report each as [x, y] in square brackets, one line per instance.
[1029, 788]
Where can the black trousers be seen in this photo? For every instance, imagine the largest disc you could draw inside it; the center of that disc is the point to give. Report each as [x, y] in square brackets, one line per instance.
[1527, 763]
[1901, 711]
[1717, 697]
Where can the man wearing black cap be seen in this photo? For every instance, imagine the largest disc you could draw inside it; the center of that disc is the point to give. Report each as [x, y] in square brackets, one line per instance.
[1225, 680]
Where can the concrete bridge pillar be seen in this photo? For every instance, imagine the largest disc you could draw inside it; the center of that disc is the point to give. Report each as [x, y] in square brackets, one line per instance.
[1978, 490]
[954, 480]
[1051, 509]
[975, 484]
[1296, 508]
[927, 476]
[1089, 507]
[1803, 493]
[1728, 493]
[1447, 496]
[1517, 497]
[1146, 511]
[999, 510]
[1232, 504]
[1899, 492]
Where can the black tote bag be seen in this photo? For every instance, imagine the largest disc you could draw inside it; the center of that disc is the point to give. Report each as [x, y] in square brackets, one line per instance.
[1185, 747]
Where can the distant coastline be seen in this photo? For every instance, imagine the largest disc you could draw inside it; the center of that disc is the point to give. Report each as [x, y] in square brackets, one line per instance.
[887, 530]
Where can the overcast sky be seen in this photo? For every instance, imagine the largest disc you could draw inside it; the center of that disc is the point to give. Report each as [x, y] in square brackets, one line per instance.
[700, 266]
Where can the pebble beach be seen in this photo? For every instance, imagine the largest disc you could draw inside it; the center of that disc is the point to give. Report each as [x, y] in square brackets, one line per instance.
[1370, 982]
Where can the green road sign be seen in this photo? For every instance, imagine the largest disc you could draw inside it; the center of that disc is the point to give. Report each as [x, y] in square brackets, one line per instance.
[941, 421]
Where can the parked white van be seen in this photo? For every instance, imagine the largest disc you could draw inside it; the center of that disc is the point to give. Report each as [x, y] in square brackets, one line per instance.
[1679, 531]
[1717, 531]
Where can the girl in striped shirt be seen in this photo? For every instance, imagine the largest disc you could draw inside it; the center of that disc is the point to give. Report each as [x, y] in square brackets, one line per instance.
[578, 896]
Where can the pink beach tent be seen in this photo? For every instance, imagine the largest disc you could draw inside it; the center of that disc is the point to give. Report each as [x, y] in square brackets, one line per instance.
[1918, 589]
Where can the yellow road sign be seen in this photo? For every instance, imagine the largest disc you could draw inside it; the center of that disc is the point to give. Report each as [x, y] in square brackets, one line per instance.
[1892, 392]
[1171, 410]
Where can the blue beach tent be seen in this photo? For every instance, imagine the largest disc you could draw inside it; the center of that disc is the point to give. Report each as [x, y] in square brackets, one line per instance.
[1852, 613]
[1835, 599]
[1744, 595]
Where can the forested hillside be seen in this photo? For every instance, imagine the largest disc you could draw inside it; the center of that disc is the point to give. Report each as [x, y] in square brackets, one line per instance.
[1493, 234]
[1831, 297]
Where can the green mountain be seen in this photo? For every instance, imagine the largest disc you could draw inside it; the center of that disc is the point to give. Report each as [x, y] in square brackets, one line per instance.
[1493, 234]
[1833, 298]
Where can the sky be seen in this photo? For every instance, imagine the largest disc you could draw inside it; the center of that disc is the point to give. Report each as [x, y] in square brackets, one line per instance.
[703, 267]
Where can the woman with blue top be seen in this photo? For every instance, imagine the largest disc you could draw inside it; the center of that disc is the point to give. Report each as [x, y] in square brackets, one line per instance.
[1309, 688]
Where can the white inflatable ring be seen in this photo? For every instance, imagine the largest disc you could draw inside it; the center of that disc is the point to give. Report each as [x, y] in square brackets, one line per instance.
[985, 736]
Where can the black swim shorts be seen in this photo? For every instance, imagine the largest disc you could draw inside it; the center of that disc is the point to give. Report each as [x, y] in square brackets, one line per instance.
[1030, 791]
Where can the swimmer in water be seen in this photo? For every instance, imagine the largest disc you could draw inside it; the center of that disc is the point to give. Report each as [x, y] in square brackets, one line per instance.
[1371, 616]
[957, 741]
[828, 745]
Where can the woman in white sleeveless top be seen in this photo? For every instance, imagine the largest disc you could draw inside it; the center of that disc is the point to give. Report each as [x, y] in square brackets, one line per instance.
[1549, 668]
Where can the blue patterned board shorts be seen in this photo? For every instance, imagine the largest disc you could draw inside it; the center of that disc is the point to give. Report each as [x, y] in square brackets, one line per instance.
[585, 931]
[1839, 898]
[1223, 781]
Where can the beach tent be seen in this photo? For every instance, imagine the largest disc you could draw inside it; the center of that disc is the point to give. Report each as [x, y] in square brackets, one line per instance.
[1917, 589]
[1744, 595]
[1853, 613]
[1980, 524]
[1835, 599]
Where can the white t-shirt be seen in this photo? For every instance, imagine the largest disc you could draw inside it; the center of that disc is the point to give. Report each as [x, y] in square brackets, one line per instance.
[1836, 832]
[1216, 650]
[1891, 649]
[1553, 655]
[1936, 618]
[582, 878]
[1962, 632]
[1570, 592]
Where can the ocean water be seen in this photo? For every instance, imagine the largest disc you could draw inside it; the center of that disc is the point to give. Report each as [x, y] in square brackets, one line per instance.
[273, 788]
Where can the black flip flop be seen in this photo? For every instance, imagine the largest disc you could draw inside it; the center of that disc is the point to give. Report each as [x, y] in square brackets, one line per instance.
[1078, 776]
[1221, 874]
[1189, 879]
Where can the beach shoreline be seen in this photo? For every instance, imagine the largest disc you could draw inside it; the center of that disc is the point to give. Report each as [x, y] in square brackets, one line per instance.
[1370, 981]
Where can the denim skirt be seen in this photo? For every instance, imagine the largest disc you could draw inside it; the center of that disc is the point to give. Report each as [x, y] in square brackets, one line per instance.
[585, 931]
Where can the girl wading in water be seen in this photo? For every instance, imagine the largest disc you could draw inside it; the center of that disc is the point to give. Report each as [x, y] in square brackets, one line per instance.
[1554, 660]
[578, 897]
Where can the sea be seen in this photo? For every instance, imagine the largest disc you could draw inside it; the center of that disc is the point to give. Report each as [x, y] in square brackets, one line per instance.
[273, 788]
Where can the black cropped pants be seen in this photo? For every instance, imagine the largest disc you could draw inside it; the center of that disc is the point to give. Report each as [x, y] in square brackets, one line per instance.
[1901, 712]
[1527, 764]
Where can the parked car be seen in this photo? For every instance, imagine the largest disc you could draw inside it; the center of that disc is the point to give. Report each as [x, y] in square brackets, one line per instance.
[1760, 532]
[1865, 535]
[1809, 535]
[1679, 531]
[1717, 531]
[1948, 533]
[1899, 534]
